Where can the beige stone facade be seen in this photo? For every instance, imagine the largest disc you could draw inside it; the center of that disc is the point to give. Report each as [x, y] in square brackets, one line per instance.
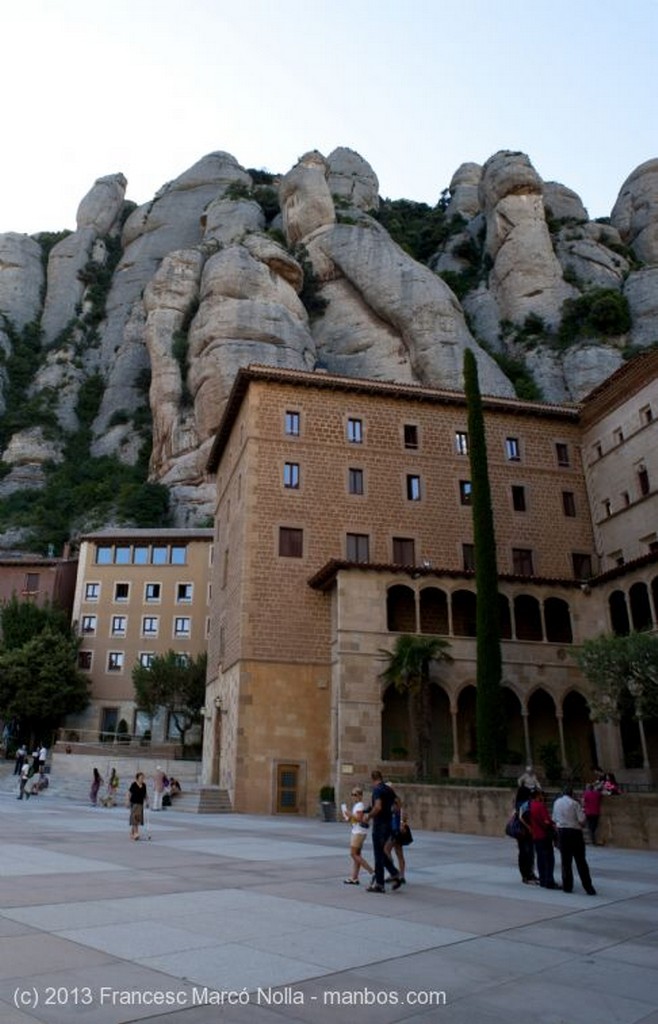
[138, 593]
[344, 519]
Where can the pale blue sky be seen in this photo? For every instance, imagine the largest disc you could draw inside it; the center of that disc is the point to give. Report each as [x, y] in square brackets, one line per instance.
[147, 87]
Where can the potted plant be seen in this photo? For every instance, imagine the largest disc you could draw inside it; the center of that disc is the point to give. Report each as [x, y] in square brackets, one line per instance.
[328, 803]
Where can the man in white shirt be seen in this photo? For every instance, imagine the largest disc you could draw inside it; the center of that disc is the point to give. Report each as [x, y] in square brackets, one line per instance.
[569, 817]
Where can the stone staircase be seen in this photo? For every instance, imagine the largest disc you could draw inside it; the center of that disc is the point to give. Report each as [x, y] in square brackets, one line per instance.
[70, 777]
[213, 800]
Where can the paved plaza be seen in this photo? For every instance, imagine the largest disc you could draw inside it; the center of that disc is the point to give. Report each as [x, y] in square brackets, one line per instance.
[246, 919]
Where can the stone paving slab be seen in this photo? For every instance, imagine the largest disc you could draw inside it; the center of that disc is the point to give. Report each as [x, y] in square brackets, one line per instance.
[243, 919]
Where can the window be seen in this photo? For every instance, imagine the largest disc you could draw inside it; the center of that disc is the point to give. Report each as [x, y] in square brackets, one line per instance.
[518, 499]
[643, 481]
[184, 593]
[598, 450]
[358, 547]
[461, 442]
[562, 454]
[115, 661]
[122, 554]
[512, 449]
[404, 551]
[178, 554]
[159, 554]
[292, 423]
[618, 436]
[607, 507]
[625, 498]
[92, 591]
[88, 624]
[31, 584]
[140, 554]
[646, 415]
[84, 661]
[119, 623]
[568, 503]
[582, 565]
[291, 542]
[291, 475]
[152, 592]
[104, 554]
[410, 435]
[354, 431]
[121, 591]
[522, 562]
[468, 557]
[182, 626]
[413, 487]
[355, 481]
[146, 659]
[465, 492]
[150, 625]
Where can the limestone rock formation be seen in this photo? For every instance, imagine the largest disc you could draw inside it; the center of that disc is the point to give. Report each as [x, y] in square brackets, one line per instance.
[98, 215]
[155, 310]
[635, 214]
[21, 278]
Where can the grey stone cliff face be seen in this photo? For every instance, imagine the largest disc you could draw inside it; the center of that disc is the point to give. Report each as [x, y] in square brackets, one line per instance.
[208, 279]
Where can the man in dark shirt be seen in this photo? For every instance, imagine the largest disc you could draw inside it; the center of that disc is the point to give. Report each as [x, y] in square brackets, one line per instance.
[379, 816]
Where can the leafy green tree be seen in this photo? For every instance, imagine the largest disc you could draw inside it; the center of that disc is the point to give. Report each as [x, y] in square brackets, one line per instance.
[20, 621]
[614, 664]
[490, 724]
[408, 670]
[176, 683]
[40, 683]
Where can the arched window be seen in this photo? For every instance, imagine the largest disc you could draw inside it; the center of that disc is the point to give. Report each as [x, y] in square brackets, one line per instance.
[401, 610]
[619, 613]
[433, 611]
[464, 613]
[557, 618]
[527, 617]
[640, 606]
[505, 617]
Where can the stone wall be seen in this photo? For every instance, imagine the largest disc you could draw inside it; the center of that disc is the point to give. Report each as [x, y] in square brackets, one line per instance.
[629, 821]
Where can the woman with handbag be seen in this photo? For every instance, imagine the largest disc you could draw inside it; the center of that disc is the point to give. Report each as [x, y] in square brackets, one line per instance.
[544, 832]
[401, 836]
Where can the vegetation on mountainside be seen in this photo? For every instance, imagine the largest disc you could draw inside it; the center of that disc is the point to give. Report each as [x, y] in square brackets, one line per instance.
[418, 228]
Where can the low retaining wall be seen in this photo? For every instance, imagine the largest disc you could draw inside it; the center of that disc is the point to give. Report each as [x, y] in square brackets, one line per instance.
[629, 821]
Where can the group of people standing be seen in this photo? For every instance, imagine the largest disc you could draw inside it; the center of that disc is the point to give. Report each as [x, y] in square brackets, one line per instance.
[31, 771]
[540, 832]
[390, 832]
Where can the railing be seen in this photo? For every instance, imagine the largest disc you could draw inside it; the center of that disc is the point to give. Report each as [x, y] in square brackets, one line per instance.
[80, 741]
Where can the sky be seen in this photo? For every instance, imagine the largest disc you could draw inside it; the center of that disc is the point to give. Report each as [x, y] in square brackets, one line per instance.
[417, 87]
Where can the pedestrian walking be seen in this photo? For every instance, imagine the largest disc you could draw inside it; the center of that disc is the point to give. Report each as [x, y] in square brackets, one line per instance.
[358, 833]
[96, 782]
[379, 817]
[137, 797]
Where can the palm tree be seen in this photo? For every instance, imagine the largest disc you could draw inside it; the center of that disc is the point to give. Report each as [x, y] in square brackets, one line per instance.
[408, 670]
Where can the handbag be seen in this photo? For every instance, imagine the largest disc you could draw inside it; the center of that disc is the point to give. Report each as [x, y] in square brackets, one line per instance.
[405, 837]
[515, 828]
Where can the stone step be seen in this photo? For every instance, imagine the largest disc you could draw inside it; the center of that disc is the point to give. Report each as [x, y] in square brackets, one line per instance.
[213, 800]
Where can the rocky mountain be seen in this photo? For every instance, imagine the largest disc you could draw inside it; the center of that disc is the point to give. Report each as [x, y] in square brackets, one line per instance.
[119, 341]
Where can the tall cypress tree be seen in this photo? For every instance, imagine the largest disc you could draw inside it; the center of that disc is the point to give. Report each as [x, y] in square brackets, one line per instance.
[490, 723]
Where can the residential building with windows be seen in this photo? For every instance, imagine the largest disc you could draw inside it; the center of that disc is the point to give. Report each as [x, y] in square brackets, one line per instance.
[139, 593]
[620, 456]
[42, 579]
[312, 583]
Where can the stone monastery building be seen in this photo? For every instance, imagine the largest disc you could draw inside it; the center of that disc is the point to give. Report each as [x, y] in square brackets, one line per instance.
[343, 519]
